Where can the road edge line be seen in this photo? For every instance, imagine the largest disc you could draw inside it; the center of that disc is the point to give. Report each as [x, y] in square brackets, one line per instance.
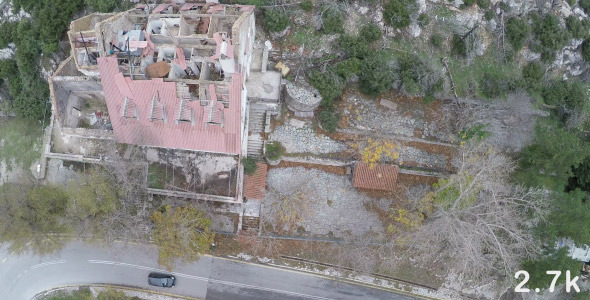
[122, 287]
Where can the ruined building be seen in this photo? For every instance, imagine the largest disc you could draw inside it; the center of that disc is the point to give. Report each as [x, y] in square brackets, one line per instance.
[179, 76]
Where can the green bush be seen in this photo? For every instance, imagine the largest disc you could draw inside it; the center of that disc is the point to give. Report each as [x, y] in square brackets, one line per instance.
[7, 33]
[532, 74]
[416, 76]
[570, 93]
[105, 6]
[549, 33]
[586, 50]
[458, 46]
[467, 3]
[275, 20]
[354, 46]
[578, 29]
[249, 165]
[329, 84]
[329, 119]
[483, 4]
[332, 20]
[377, 75]
[423, 19]
[397, 12]
[370, 33]
[306, 5]
[436, 40]
[274, 150]
[553, 260]
[517, 31]
[490, 14]
[348, 68]
[571, 2]
[585, 5]
[494, 85]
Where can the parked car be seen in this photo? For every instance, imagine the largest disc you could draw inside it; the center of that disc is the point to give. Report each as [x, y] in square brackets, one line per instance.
[161, 280]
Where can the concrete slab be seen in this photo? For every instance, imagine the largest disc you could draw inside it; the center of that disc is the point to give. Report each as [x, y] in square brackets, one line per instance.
[388, 104]
[297, 123]
[264, 86]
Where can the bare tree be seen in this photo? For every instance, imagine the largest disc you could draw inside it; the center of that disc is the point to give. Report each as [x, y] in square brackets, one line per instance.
[288, 207]
[479, 221]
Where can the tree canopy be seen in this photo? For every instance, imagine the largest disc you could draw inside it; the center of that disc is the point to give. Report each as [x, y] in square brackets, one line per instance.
[181, 233]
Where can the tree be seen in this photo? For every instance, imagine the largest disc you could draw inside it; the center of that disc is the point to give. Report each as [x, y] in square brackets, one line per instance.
[32, 216]
[566, 218]
[328, 83]
[329, 119]
[354, 46]
[288, 205]
[581, 178]
[370, 33]
[585, 5]
[105, 5]
[586, 50]
[458, 46]
[478, 221]
[275, 20]
[532, 75]
[249, 165]
[397, 12]
[548, 162]
[550, 34]
[577, 28]
[517, 31]
[557, 260]
[181, 233]
[332, 20]
[377, 75]
[348, 68]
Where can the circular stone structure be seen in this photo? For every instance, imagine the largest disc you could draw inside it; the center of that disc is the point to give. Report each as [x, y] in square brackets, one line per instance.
[301, 98]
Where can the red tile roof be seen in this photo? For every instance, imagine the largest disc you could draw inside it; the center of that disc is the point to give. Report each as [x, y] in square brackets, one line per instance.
[255, 184]
[375, 177]
[167, 133]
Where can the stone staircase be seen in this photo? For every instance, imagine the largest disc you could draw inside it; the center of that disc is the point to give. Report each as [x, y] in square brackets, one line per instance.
[255, 127]
[250, 224]
[255, 144]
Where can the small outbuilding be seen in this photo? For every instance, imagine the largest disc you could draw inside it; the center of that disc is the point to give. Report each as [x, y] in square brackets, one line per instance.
[375, 176]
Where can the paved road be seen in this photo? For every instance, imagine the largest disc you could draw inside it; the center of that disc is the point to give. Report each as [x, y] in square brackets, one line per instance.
[23, 276]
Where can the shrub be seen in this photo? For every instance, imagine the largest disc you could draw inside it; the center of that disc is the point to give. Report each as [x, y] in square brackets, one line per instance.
[416, 76]
[274, 150]
[483, 4]
[554, 93]
[490, 14]
[249, 165]
[467, 3]
[532, 74]
[329, 119]
[585, 5]
[436, 40]
[547, 30]
[348, 68]
[306, 5]
[576, 95]
[517, 31]
[376, 75]
[423, 19]
[503, 6]
[586, 50]
[354, 46]
[332, 21]
[578, 29]
[104, 6]
[397, 12]
[371, 33]
[329, 84]
[495, 85]
[275, 20]
[458, 46]
[7, 33]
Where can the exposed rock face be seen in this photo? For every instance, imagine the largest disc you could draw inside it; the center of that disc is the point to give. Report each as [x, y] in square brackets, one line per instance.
[302, 98]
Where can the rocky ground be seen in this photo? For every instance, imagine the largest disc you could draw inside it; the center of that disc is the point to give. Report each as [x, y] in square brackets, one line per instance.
[336, 208]
[304, 140]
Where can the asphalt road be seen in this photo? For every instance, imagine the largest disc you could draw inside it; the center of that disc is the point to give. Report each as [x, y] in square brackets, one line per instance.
[23, 276]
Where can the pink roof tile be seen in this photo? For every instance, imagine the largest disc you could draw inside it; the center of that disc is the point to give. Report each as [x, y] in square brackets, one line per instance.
[229, 49]
[180, 59]
[187, 6]
[138, 44]
[160, 8]
[184, 135]
[217, 7]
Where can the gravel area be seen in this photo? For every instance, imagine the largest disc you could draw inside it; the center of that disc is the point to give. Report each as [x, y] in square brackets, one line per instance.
[338, 209]
[425, 159]
[304, 140]
[368, 115]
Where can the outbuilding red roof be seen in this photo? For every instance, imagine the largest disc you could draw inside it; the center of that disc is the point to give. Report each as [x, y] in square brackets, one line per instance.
[375, 176]
[255, 184]
[146, 112]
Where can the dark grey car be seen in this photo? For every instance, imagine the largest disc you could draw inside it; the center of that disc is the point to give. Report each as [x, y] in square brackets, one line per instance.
[161, 280]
